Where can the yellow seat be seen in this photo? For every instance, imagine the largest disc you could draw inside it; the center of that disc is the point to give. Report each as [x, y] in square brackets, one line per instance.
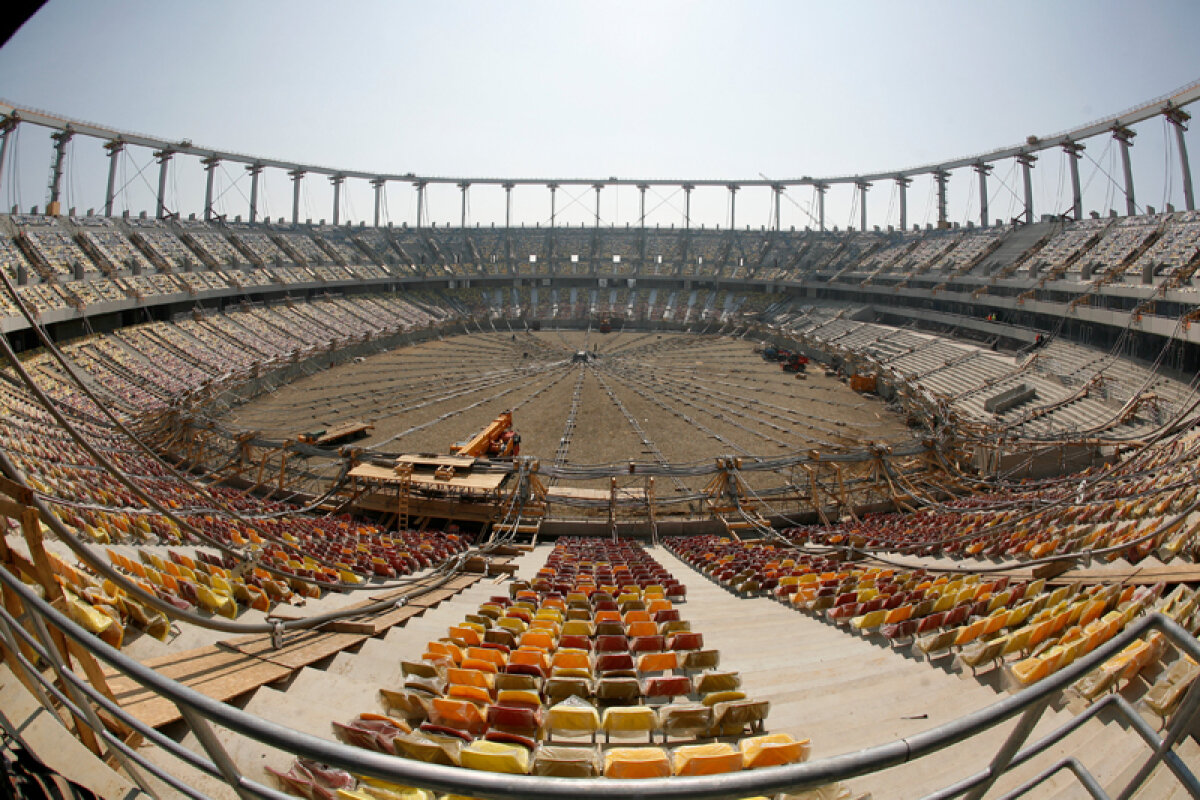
[773, 749]
[578, 627]
[572, 716]
[495, 757]
[622, 720]
[637, 762]
[868, 621]
[706, 759]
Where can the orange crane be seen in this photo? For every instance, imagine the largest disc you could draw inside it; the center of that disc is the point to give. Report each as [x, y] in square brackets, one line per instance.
[497, 440]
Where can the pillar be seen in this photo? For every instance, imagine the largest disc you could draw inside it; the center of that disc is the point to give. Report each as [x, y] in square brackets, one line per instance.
[508, 187]
[778, 190]
[863, 186]
[114, 148]
[420, 203]
[7, 126]
[210, 165]
[255, 170]
[1026, 160]
[337, 181]
[598, 187]
[61, 139]
[902, 183]
[1073, 150]
[733, 190]
[296, 175]
[642, 204]
[553, 187]
[1124, 137]
[377, 185]
[687, 205]
[941, 177]
[1179, 118]
[983, 170]
[821, 189]
[164, 160]
[462, 188]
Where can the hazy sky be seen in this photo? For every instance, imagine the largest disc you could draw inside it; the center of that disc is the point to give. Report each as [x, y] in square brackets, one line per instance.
[629, 89]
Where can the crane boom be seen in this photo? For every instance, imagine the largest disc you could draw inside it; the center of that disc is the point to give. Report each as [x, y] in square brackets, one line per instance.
[498, 439]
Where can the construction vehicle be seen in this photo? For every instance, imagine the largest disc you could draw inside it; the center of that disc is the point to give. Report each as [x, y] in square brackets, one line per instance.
[794, 362]
[605, 325]
[497, 440]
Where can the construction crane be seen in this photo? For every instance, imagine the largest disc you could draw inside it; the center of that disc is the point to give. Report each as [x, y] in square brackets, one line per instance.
[497, 440]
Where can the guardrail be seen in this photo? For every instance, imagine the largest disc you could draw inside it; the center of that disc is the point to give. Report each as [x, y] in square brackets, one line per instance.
[200, 713]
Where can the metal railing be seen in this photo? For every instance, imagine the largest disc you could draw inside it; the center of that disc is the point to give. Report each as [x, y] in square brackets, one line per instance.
[200, 712]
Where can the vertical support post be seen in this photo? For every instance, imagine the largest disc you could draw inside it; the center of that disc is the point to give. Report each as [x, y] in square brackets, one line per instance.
[508, 187]
[255, 170]
[337, 180]
[377, 184]
[1124, 137]
[296, 175]
[598, 187]
[778, 190]
[1179, 118]
[462, 188]
[687, 205]
[553, 187]
[642, 204]
[7, 126]
[902, 183]
[210, 165]
[983, 171]
[821, 188]
[1073, 150]
[863, 186]
[61, 139]
[114, 148]
[733, 190]
[164, 161]
[1026, 160]
[420, 203]
[941, 177]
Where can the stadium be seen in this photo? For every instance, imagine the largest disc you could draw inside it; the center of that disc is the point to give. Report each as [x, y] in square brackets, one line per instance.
[364, 508]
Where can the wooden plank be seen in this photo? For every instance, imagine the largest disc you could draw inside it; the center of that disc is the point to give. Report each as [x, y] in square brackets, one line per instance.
[373, 626]
[302, 650]
[432, 598]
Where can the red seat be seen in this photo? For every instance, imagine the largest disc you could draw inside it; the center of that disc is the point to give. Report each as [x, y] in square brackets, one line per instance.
[612, 644]
[648, 644]
[686, 640]
[667, 686]
[614, 662]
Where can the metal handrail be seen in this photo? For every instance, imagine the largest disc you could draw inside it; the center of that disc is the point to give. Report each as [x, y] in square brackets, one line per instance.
[199, 710]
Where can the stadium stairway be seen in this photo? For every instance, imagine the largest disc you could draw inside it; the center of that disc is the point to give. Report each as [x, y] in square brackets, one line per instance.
[847, 693]
[338, 688]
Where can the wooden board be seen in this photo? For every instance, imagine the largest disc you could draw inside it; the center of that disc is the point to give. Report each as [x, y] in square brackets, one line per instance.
[300, 649]
[435, 461]
[219, 674]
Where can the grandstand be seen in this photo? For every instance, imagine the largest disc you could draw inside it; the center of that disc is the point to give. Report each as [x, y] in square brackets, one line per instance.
[949, 549]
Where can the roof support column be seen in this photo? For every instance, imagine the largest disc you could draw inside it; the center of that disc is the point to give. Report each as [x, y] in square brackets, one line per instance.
[508, 187]
[420, 203]
[1124, 137]
[983, 170]
[255, 170]
[1026, 160]
[553, 187]
[778, 190]
[598, 187]
[377, 184]
[733, 190]
[863, 186]
[1073, 150]
[902, 184]
[164, 161]
[7, 126]
[642, 204]
[687, 205]
[337, 181]
[210, 165]
[296, 175]
[821, 188]
[61, 139]
[462, 187]
[941, 177]
[114, 148]
[1179, 118]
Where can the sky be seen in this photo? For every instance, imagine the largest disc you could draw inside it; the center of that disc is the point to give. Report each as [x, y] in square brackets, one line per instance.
[665, 89]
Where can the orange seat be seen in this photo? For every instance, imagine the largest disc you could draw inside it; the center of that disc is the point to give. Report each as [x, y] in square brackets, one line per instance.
[658, 662]
[636, 629]
[636, 762]
[462, 715]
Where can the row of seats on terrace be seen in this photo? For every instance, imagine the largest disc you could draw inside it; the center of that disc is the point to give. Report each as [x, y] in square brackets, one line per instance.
[981, 622]
[527, 683]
